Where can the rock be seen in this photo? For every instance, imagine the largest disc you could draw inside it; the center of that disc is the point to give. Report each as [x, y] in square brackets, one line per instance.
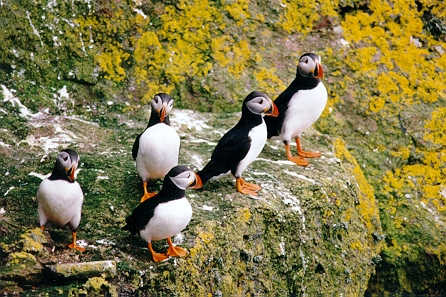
[83, 270]
[33, 240]
[439, 49]
[22, 267]
[9, 288]
[415, 41]
[338, 30]
[98, 286]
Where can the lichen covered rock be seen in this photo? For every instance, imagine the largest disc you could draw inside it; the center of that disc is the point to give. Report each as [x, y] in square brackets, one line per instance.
[84, 269]
[308, 231]
[23, 267]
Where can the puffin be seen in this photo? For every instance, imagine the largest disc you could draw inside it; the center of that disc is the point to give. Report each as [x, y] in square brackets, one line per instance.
[165, 214]
[60, 196]
[156, 149]
[300, 105]
[241, 145]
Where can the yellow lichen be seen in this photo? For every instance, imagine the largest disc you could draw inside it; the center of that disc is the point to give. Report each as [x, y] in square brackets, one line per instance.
[356, 245]
[111, 62]
[367, 205]
[383, 51]
[268, 81]
[33, 240]
[206, 237]
[96, 285]
[302, 16]
[244, 215]
[436, 127]
[21, 257]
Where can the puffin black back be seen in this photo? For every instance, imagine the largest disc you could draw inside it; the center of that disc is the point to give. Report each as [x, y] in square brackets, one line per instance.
[234, 145]
[274, 124]
[230, 150]
[142, 214]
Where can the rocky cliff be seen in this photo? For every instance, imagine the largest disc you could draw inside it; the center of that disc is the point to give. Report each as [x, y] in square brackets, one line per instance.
[367, 218]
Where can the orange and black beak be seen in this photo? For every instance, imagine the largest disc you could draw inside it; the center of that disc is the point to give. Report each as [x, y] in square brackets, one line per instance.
[71, 172]
[198, 184]
[319, 72]
[162, 114]
[273, 111]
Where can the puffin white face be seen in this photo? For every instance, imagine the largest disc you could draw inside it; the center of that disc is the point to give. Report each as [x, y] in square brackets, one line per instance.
[69, 163]
[184, 179]
[262, 105]
[162, 104]
[310, 66]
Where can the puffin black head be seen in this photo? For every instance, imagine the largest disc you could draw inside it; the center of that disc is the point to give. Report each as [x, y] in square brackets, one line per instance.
[310, 66]
[260, 104]
[66, 165]
[181, 177]
[161, 106]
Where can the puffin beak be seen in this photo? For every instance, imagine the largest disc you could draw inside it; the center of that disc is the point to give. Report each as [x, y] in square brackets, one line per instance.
[72, 172]
[320, 71]
[198, 184]
[162, 114]
[273, 111]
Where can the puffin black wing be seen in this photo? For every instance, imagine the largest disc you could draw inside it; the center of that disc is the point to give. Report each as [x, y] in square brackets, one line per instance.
[136, 147]
[274, 124]
[141, 215]
[228, 153]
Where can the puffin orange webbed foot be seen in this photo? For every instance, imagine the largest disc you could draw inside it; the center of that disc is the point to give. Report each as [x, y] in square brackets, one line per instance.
[76, 247]
[298, 160]
[309, 154]
[157, 257]
[303, 153]
[175, 251]
[73, 245]
[246, 188]
[253, 187]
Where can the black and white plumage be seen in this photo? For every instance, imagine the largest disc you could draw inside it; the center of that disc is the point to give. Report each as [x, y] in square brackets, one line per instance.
[60, 197]
[241, 145]
[165, 214]
[156, 149]
[300, 105]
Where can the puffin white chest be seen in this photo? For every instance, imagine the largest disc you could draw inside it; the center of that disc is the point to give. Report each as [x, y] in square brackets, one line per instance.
[60, 201]
[258, 137]
[304, 109]
[158, 151]
[169, 218]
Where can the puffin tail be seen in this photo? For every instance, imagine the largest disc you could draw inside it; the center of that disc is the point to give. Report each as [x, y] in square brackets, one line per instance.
[130, 226]
[209, 171]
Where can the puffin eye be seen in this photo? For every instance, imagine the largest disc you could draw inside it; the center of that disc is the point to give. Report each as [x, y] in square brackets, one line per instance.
[261, 101]
[65, 158]
[188, 175]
